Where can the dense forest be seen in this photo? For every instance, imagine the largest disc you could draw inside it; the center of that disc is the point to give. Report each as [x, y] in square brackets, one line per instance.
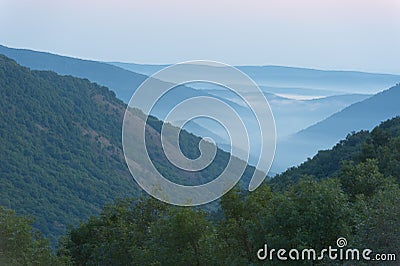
[350, 191]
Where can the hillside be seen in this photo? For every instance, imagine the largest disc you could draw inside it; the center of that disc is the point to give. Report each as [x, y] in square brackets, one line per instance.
[60, 153]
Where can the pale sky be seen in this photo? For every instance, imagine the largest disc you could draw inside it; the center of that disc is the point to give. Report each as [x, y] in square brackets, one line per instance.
[325, 34]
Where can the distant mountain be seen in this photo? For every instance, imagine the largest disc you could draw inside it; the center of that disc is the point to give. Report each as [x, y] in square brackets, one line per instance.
[295, 77]
[60, 148]
[294, 115]
[145, 69]
[362, 115]
[341, 81]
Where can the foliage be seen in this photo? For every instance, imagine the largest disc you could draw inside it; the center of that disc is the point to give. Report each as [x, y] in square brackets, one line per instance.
[20, 245]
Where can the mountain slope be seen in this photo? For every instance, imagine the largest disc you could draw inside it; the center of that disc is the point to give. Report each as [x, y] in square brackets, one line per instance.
[362, 115]
[60, 148]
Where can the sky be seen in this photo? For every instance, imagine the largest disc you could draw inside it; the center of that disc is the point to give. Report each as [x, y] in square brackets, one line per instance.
[359, 35]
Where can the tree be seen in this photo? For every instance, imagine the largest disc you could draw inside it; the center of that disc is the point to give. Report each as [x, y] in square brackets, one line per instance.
[311, 214]
[181, 237]
[20, 245]
[363, 178]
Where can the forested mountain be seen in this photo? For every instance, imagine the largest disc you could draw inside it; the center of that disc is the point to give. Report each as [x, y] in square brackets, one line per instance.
[61, 155]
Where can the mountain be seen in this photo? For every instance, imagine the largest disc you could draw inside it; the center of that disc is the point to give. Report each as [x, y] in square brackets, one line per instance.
[293, 115]
[362, 115]
[279, 78]
[340, 81]
[144, 69]
[60, 148]
[359, 116]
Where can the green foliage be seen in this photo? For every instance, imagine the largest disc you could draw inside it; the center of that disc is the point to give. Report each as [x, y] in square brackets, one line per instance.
[362, 179]
[377, 219]
[180, 238]
[20, 245]
[141, 232]
[310, 214]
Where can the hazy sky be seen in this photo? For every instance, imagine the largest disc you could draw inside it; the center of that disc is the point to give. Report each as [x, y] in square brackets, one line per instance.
[328, 34]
